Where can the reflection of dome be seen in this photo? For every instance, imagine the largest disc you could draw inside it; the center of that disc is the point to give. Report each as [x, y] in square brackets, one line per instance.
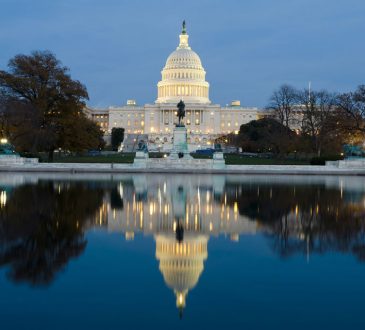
[183, 76]
[181, 264]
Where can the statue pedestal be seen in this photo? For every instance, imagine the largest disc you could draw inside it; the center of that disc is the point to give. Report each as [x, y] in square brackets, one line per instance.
[140, 160]
[218, 160]
[180, 144]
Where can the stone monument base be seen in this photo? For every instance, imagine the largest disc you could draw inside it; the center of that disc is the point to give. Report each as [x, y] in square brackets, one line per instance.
[180, 144]
[140, 160]
[16, 160]
[218, 160]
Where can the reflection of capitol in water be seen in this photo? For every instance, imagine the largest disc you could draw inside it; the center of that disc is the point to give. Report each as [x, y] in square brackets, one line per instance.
[182, 213]
[297, 215]
[181, 263]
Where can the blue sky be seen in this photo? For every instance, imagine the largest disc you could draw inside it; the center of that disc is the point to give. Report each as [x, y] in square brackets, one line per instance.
[117, 48]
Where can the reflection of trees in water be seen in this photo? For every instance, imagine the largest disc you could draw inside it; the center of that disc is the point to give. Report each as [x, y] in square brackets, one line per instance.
[302, 219]
[41, 228]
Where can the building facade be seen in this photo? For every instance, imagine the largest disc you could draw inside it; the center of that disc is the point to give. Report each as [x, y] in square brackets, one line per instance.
[182, 78]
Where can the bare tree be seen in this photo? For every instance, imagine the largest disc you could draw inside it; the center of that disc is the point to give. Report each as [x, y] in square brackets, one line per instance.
[352, 110]
[319, 117]
[283, 102]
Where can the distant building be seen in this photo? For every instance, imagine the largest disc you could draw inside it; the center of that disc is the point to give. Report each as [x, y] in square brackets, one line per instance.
[183, 78]
[100, 116]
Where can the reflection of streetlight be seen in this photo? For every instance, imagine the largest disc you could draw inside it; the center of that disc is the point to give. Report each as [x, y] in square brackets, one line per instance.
[3, 198]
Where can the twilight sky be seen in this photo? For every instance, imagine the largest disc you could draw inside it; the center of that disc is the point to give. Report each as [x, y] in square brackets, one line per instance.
[117, 48]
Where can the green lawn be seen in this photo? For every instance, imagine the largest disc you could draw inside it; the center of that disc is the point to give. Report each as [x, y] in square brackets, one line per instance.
[157, 154]
[233, 159]
[200, 156]
[119, 158]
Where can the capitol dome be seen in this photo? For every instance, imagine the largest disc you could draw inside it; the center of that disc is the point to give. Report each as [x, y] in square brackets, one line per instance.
[181, 263]
[183, 76]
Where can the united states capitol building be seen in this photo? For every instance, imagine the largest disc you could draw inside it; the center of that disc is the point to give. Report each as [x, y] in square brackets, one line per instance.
[183, 78]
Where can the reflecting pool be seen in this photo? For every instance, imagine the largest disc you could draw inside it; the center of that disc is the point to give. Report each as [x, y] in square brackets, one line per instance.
[181, 252]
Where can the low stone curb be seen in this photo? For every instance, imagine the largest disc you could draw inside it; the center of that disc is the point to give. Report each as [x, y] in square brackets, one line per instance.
[183, 168]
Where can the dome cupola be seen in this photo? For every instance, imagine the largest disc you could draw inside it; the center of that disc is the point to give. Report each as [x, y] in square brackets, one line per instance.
[183, 76]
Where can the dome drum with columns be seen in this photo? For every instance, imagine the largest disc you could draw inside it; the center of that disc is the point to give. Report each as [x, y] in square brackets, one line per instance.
[182, 78]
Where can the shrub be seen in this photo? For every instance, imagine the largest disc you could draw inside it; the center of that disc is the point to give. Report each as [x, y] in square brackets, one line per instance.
[322, 160]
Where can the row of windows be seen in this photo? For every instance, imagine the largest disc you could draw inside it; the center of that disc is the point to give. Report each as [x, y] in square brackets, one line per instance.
[236, 116]
[189, 139]
[167, 122]
[181, 248]
[136, 123]
[179, 60]
[132, 115]
[101, 116]
[229, 124]
[183, 90]
[183, 75]
[168, 117]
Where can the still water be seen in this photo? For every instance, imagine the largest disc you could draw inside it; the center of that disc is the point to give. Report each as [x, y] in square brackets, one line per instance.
[181, 252]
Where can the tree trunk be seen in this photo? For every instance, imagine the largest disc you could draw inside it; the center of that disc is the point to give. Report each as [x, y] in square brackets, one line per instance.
[50, 155]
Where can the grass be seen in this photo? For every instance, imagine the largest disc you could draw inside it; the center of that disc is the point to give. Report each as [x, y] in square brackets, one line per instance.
[231, 159]
[157, 154]
[119, 158]
[201, 156]
[234, 159]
